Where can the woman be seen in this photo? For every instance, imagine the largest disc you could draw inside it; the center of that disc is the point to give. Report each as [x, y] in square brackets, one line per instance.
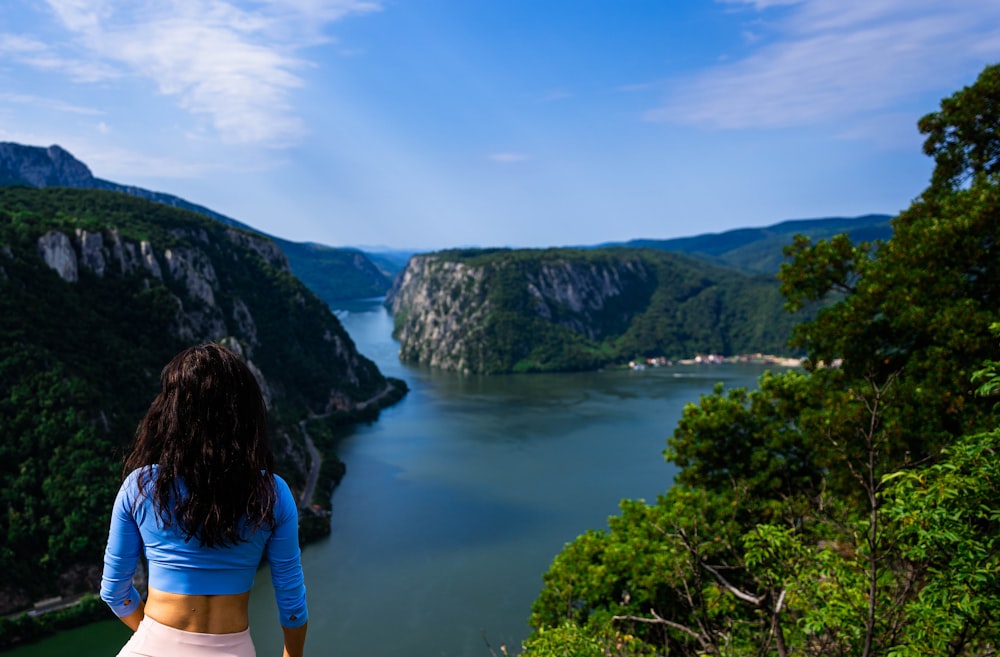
[201, 499]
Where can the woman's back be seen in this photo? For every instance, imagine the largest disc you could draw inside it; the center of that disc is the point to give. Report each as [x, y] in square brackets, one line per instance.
[202, 504]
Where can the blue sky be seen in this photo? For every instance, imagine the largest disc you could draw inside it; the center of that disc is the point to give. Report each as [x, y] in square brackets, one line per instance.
[424, 124]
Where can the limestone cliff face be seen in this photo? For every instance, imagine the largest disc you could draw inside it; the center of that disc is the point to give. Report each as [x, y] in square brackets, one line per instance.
[584, 296]
[456, 314]
[205, 308]
[439, 307]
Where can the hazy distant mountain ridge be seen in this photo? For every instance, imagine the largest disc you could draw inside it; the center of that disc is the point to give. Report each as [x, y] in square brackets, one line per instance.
[491, 311]
[333, 273]
[759, 250]
[336, 273]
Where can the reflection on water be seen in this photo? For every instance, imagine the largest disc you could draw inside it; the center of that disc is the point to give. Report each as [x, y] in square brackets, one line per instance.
[457, 499]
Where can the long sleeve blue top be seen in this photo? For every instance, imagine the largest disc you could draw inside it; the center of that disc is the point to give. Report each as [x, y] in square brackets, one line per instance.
[183, 566]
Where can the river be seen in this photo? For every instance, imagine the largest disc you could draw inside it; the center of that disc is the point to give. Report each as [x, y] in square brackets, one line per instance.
[457, 499]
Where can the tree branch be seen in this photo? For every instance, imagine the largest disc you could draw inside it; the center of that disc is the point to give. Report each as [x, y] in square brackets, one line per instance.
[659, 620]
[742, 595]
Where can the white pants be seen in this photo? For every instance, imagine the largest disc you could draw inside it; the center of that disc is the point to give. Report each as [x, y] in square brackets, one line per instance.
[154, 639]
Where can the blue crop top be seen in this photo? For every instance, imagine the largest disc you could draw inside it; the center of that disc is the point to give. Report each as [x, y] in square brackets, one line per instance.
[179, 566]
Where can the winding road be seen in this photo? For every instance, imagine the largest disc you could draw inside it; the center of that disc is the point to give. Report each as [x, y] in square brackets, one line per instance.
[314, 463]
[315, 458]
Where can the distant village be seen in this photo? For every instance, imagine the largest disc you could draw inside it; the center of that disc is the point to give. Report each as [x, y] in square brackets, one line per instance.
[714, 359]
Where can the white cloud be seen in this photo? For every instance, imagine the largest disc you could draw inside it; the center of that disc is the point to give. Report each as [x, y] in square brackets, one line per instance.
[234, 62]
[40, 55]
[17, 44]
[761, 4]
[47, 103]
[327, 10]
[123, 164]
[831, 59]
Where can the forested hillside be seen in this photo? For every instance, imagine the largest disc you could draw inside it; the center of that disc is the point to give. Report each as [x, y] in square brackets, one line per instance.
[849, 509]
[502, 310]
[98, 290]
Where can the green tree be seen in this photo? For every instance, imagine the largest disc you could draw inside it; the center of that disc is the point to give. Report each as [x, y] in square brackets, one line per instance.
[963, 136]
[56, 469]
[948, 518]
[921, 303]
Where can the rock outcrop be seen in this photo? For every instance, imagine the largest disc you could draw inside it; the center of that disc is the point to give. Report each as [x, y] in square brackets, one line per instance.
[205, 308]
[499, 311]
[58, 253]
[450, 313]
[42, 167]
[438, 305]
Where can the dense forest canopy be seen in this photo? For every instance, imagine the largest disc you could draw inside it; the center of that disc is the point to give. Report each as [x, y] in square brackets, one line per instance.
[852, 508]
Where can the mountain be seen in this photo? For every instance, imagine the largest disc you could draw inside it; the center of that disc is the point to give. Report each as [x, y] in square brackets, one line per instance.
[333, 273]
[98, 290]
[390, 262]
[336, 273]
[491, 311]
[759, 250]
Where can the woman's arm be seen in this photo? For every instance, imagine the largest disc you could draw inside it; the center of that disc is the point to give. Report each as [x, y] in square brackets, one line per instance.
[295, 640]
[121, 556]
[284, 558]
[133, 619]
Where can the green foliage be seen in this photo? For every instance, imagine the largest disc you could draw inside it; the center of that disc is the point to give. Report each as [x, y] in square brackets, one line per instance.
[821, 269]
[648, 561]
[751, 443]
[562, 640]
[922, 306]
[949, 523]
[963, 137]
[56, 470]
[851, 509]
[571, 639]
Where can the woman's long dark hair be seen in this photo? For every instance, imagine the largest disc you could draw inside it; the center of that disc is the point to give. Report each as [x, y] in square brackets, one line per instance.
[208, 429]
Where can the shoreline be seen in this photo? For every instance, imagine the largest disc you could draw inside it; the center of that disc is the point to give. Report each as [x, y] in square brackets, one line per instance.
[714, 359]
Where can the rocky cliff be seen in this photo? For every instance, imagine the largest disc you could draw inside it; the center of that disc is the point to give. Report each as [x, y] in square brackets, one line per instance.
[216, 278]
[97, 291]
[565, 309]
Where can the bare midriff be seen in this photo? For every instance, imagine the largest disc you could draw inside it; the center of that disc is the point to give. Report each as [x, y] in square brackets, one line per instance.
[208, 614]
